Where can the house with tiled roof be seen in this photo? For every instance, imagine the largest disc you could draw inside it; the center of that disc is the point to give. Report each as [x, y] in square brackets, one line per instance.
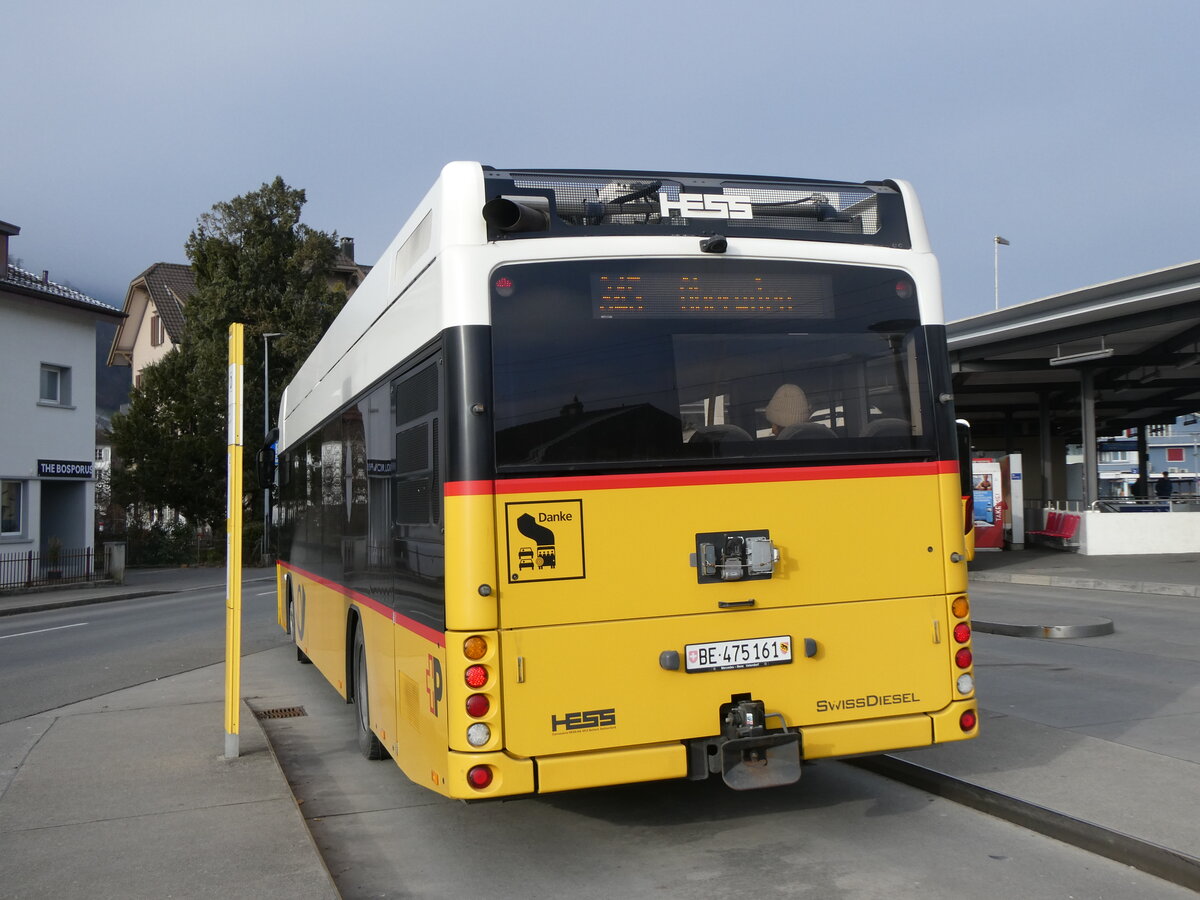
[154, 308]
[47, 417]
[346, 271]
[153, 316]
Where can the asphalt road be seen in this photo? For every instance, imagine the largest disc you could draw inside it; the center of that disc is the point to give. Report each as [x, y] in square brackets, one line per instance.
[51, 658]
[841, 832]
[1138, 686]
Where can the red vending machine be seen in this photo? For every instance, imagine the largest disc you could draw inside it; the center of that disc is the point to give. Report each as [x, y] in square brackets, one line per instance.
[986, 485]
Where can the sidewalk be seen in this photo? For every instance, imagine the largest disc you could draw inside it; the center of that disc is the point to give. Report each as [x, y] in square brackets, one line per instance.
[129, 795]
[138, 583]
[1079, 753]
[1176, 574]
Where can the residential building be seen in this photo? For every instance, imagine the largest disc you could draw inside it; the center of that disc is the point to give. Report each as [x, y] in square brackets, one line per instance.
[1173, 448]
[47, 408]
[153, 317]
[154, 309]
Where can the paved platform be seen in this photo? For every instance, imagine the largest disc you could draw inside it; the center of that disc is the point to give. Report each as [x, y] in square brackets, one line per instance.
[1174, 574]
[129, 794]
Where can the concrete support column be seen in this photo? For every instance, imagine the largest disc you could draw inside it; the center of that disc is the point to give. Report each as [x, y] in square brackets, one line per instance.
[1091, 466]
[1143, 455]
[1047, 464]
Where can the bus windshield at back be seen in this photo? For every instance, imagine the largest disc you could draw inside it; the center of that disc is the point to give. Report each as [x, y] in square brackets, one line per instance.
[620, 364]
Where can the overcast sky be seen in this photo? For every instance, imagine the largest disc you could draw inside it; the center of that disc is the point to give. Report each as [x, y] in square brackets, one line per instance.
[1070, 128]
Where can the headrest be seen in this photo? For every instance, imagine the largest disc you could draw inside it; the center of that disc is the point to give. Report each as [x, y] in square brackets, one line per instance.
[789, 406]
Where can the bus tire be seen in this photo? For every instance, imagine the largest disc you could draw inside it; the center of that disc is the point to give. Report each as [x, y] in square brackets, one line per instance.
[368, 744]
[301, 656]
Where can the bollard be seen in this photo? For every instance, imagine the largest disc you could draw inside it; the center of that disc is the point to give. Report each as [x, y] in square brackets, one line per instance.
[114, 560]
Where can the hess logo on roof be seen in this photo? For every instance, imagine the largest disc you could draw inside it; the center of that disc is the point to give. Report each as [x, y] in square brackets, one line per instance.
[705, 206]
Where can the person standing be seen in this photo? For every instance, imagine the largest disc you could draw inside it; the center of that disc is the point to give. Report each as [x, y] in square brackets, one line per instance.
[1162, 487]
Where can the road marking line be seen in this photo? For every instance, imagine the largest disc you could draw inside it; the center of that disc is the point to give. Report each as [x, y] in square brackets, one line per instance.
[266, 594]
[41, 630]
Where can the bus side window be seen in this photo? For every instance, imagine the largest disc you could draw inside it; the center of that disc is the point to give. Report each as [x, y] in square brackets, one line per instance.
[418, 550]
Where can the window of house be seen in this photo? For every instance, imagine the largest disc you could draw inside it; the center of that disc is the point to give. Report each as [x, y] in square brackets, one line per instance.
[55, 385]
[157, 333]
[10, 507]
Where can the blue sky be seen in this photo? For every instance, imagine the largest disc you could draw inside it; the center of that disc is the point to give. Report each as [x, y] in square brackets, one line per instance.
[1068, 127]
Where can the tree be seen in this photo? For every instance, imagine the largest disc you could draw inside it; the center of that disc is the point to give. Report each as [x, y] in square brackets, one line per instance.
[258, 264]
[166, 444]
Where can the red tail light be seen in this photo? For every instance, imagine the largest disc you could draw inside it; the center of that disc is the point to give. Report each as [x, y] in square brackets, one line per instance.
[963, 658]
[962, 632]
[478, 705]
[479, 776]
[967, 720]
[476, 676]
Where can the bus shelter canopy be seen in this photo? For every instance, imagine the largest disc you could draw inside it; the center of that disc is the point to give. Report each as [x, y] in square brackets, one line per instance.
[1127, 349]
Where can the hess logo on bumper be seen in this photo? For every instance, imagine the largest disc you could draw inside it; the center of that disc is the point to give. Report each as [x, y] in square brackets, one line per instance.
[585, 720]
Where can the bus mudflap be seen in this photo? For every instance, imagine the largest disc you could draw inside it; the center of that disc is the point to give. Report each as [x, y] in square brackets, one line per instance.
[746, 753]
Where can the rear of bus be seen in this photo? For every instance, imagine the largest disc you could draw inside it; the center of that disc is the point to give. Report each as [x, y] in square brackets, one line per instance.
[723, 493]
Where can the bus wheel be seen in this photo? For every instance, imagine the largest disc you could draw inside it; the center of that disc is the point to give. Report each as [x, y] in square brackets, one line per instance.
[368, 743]
[301, 656]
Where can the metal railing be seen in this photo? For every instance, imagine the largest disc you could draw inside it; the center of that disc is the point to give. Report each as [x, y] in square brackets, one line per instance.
[31, 568]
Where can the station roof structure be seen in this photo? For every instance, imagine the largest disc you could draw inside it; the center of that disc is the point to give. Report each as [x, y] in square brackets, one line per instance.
[1136, 340]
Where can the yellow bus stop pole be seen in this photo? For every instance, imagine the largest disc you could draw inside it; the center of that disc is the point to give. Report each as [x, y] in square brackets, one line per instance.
[233, 547]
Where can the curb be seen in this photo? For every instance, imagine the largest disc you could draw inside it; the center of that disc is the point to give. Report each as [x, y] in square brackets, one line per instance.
[82, 601]
[66, 603]
[1090, 584]
[248, 710]
[1153, 859]
[1097, 627]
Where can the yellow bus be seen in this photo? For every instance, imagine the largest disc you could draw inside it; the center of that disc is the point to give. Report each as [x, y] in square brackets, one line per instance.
[607, 477]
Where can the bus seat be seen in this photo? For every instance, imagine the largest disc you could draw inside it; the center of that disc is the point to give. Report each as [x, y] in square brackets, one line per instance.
[807, 430]
[888, 428]
[718, 434]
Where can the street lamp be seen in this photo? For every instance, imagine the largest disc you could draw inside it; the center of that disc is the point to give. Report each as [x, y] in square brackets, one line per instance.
[997, 241]
[266, 544]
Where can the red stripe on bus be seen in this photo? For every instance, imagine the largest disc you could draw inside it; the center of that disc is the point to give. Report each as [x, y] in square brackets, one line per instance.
[436, 637]
[694, 479]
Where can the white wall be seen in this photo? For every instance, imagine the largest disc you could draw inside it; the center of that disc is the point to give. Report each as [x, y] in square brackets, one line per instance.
[33, 332]
[1115, 534]
[144, 352]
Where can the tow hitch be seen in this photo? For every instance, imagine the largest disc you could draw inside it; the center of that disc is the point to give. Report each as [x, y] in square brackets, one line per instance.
[747, 755]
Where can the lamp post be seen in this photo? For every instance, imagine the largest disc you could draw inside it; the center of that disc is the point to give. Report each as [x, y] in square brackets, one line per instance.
[997, 241]
[266, 540]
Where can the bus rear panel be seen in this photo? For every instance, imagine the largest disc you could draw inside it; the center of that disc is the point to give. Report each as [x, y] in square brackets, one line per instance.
[671, 513]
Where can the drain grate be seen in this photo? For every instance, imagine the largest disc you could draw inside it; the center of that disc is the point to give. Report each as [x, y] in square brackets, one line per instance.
[285, 712]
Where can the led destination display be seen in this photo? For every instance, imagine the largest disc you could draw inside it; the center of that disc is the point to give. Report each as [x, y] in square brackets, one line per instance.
[662, 295]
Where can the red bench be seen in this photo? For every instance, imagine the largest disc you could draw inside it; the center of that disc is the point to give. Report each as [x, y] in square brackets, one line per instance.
[1053, 523]
[1060, 527]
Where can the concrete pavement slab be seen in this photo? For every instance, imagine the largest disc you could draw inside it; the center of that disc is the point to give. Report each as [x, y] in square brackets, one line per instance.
[129, 795]
[203, 853]
[1130, 790]
[122, 764]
